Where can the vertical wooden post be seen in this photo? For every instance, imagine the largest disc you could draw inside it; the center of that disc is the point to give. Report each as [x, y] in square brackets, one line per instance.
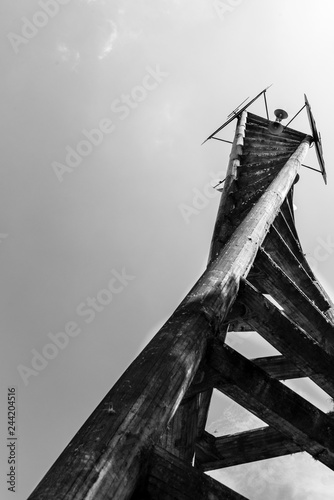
[105, 459]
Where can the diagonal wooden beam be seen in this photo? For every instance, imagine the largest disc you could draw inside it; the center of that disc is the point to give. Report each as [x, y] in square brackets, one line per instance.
[286, 337]
[169, 478]
[279, 367]
[274, 403]
[269, 278]
[241, 448]
[280, 252]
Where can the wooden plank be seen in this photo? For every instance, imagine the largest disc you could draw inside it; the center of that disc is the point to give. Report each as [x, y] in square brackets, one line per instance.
[280, 252]
[274, 403]
[170, 479]
[256, 136]
[287, 233]
[271, 279]
[104, 459]
[262, 123]
[279, 367]
[286, 337]
[241, 448]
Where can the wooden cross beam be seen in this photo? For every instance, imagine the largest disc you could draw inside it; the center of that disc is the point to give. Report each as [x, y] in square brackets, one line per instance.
[286, 337]
[279, 367]
[279, 251]
[241, 448]
[169, 478]
[269, 278]
[274, 403]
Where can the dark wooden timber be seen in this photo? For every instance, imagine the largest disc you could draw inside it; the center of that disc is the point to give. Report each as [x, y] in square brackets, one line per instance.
[274, 326]
[274, 403]
[271, 279]
[169, 478]
[279, 367]
[279, 251]
[241, 448]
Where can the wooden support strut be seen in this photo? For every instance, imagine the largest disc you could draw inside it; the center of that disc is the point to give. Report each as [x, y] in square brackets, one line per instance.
[271, 279]
[274, 403]
[105, 458]
[169, 478]
[241, 448]
[286, 337]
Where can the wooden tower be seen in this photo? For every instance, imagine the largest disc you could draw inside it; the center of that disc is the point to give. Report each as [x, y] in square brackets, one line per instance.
[147, 437]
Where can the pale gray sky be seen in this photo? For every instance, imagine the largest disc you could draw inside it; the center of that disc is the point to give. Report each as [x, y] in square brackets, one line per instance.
[156, 78]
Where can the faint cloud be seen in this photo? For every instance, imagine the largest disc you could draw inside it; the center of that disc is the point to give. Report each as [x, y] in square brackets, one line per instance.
[110, 40]
[68, 55]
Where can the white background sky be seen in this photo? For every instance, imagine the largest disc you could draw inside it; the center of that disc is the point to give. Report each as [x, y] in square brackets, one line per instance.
[120, 208]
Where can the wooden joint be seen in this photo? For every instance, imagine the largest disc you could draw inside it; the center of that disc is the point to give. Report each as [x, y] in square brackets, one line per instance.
[216, 320]
[240, 312]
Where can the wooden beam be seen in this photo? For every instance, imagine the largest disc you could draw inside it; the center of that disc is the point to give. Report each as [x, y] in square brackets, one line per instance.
[274, 403]
[280, 252]
[271, 279]
[279, 367]
[285, 230]
[170, 478]
[181, 433]
[241, 448]
[226, 202]
[286, 337]
[104, 459]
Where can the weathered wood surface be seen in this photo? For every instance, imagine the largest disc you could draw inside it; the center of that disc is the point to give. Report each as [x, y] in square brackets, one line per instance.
[274, 403]
[170, 478]
[279, 251]
[105, 458]
[285, 229]
[181, 433]
[241, 448]
[279, 367]
[253, 166]
[226, 202]
[269, 278]
[286, 337]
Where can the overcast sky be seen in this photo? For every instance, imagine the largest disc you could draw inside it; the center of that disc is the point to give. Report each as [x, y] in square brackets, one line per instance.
[105, 106]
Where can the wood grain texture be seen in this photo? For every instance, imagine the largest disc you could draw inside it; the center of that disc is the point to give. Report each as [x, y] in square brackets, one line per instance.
[170, 479]
[274, 403]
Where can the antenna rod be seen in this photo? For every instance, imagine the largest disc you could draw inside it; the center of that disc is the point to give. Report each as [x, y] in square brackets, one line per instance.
[301, 109]
[223, 140]
[265, 101]
[311, 168]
